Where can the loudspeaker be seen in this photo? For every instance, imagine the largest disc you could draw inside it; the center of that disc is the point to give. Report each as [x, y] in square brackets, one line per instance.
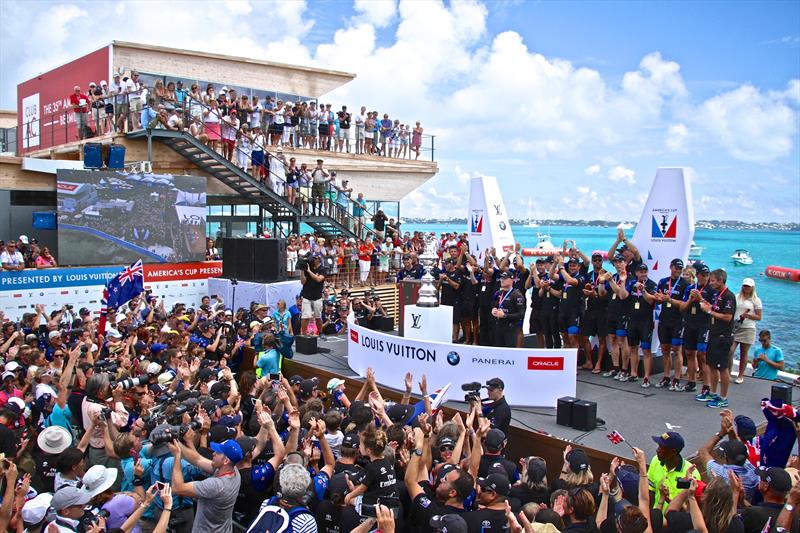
[305, 344]
[269, 260]
[256, 260]
[116, 157]
[584, 415]
[564, 410]
[781, 391]
[92, 155]
[384, 323]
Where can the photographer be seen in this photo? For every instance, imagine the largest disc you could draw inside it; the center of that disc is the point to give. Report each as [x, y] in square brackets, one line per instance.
[362, 312]
[313, 280]
[101, 401]
[497, 409]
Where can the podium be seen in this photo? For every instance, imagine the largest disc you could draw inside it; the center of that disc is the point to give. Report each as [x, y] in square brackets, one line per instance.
[433, 324]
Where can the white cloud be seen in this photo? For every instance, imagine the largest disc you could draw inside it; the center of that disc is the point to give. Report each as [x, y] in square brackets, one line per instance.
[591, 170]
[622, 174]
[676, 137]
[583, 189]
[376, 12]
[749, 124]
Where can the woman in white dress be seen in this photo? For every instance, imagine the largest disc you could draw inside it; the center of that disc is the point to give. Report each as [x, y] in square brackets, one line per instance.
[748, 312]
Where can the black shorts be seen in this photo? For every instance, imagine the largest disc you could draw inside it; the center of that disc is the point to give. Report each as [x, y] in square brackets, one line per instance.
[535, 323]
[618, 326]
[671, 334]
[695, 339]
[324, 130]
[640, 333]
[457, 313]
[719, 349]
[569, 321]
[276, 128]
[594, 324]
[469, 309]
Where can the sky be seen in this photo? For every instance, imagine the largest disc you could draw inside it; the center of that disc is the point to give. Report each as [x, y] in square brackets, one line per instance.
[571, 105]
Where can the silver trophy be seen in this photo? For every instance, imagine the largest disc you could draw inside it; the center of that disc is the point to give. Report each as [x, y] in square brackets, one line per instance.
[428, 295]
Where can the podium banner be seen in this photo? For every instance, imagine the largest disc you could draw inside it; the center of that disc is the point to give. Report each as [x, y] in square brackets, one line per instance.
[532, 377]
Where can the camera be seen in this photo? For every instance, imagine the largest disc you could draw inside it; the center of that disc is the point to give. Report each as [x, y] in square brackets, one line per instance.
[683, 483]
[106, 365]
[473, 391]
[68, 307]
[105, 413]
[164, 435]
[89, 519]
[127, 383]
[302, 262]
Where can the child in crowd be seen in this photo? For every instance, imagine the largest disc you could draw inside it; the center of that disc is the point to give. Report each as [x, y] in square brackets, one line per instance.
[333, 420]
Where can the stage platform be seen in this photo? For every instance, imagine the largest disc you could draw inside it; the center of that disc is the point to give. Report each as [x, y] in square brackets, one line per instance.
[635, 412]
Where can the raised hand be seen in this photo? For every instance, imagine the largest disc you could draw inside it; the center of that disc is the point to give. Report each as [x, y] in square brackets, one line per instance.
[409, 381]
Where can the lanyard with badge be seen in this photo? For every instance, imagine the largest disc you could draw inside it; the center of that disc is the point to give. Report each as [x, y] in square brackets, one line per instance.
[715, 307]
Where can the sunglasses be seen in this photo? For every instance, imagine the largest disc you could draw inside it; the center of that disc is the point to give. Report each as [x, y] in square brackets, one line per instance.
[446, 448]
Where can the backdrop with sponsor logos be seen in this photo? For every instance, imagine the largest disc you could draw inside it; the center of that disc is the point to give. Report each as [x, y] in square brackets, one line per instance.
[83, 287]
[533, 378]
[44, 113]
[119, 217]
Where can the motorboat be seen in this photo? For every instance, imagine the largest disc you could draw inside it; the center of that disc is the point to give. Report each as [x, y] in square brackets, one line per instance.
[544, 247]
[695, 251]
[742, 257]
[543, 242]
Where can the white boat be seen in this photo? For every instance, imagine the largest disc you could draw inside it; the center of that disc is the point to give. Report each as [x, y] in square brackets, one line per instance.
[543, 242]
[742, 257]
[530, 223]
[624, 225]
[695, 251]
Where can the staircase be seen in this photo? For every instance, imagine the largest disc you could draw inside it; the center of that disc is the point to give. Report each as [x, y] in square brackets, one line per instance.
[245, 185]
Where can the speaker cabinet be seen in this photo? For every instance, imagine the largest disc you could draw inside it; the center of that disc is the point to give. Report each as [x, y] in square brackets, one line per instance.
[255, 260]
[584, 415]
[564, 410]
[305, 344]
[781, 391]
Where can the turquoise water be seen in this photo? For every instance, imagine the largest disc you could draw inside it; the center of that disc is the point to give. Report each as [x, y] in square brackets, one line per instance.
[781, 299]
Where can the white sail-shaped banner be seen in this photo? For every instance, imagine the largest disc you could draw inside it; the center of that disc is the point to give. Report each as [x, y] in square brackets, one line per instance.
[487, 220]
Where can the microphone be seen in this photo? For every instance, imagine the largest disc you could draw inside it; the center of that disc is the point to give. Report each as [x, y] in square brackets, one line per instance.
[471, 386]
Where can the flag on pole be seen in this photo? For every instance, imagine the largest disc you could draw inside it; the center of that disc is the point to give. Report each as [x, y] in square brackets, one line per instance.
[121, 289]
[615, 437]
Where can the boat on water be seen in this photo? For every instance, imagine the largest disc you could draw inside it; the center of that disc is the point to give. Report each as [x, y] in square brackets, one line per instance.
[695, 251]
[742, 257]
[530, 223]
[544, 246]
[624, 225]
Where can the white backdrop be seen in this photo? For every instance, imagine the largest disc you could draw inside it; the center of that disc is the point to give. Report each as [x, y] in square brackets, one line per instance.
[263, 293]
[532, 377]
[487, 221]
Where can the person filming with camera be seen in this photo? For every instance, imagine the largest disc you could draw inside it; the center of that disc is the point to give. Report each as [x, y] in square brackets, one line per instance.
[496, 408]
[313, 280]
[101, 400]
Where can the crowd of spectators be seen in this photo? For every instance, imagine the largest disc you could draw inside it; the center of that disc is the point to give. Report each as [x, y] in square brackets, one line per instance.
[225, 119]
[25, 253]
[158, 424]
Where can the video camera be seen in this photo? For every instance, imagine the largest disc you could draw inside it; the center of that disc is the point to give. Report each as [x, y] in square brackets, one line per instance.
[473, 391]
[164, 435]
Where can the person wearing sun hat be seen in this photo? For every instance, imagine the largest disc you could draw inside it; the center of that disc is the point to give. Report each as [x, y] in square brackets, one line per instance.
[215, 495]
[98, 479]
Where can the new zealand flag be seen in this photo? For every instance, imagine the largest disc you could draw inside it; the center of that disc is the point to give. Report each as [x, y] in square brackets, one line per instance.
[121, 289]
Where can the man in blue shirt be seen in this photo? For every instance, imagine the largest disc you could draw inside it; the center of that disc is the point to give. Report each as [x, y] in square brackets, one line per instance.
[767, 359]
[149, 113]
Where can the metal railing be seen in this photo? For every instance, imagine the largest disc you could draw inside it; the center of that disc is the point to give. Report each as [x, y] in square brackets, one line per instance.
[121, 113]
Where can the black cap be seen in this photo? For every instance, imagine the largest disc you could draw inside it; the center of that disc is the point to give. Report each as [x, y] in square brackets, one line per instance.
[677, 262]
[505, 274]
[240, 324]
[618, 257]
[670, 440]
[734, 451]
[778, 479]
[248, 444]
[537, 469]
[495, 383]
[350, 440]
[447, 441]
[495, 439]
[642, 266]
[307, 387]
[451, 523]
[219, 389]
[338, 484]
[701, 268]
[205, 374]
[296, 379]
[220, 433]
[210, 406]
[497, 483]
[578, 460]
[400, 413]
[745, 427]
[597, 254]
[84, 311]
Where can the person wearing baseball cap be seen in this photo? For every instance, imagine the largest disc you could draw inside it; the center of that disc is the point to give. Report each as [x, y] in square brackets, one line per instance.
[695, 329]
[774, 485]
[493, 492]
[668, 467]
[68, 502]
[640, 296]
[732, 458]
[215, 495]
[669, 296]
[497, 410]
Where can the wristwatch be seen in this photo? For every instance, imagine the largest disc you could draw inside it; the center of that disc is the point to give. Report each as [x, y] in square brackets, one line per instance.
[789, 507]
[418, 452]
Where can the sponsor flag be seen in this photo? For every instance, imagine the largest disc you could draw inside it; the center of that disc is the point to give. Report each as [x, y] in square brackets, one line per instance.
[121, 289]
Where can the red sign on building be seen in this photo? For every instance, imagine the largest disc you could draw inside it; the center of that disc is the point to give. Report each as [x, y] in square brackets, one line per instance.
[44, 114]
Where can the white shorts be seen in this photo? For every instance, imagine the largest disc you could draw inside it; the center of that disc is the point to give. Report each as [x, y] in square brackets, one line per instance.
[344, 133]
[311, 309]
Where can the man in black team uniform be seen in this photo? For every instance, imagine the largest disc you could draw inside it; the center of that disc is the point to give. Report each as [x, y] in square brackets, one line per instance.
[520, 275]
[670, 324]
[628, 251]
[508, 311]
[720, 337]
[617, 318]
[411, 269]
[535, 325]
[640, 295]
[549, 294]
[594, 322]
[570, 306]
[451, 281]
[695, 330]
[488, 286]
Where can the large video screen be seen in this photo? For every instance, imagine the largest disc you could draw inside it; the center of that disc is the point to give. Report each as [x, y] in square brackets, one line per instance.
[108, 217]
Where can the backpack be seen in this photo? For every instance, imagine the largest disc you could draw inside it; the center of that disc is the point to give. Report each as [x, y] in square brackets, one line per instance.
[274, 518]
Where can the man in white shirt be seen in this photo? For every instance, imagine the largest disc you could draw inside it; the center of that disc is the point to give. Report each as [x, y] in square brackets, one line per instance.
[68, 503]
[360, 120]
[133, 87]
[11, 258]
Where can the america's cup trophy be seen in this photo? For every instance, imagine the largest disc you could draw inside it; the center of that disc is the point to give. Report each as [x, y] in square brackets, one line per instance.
[428, 295]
